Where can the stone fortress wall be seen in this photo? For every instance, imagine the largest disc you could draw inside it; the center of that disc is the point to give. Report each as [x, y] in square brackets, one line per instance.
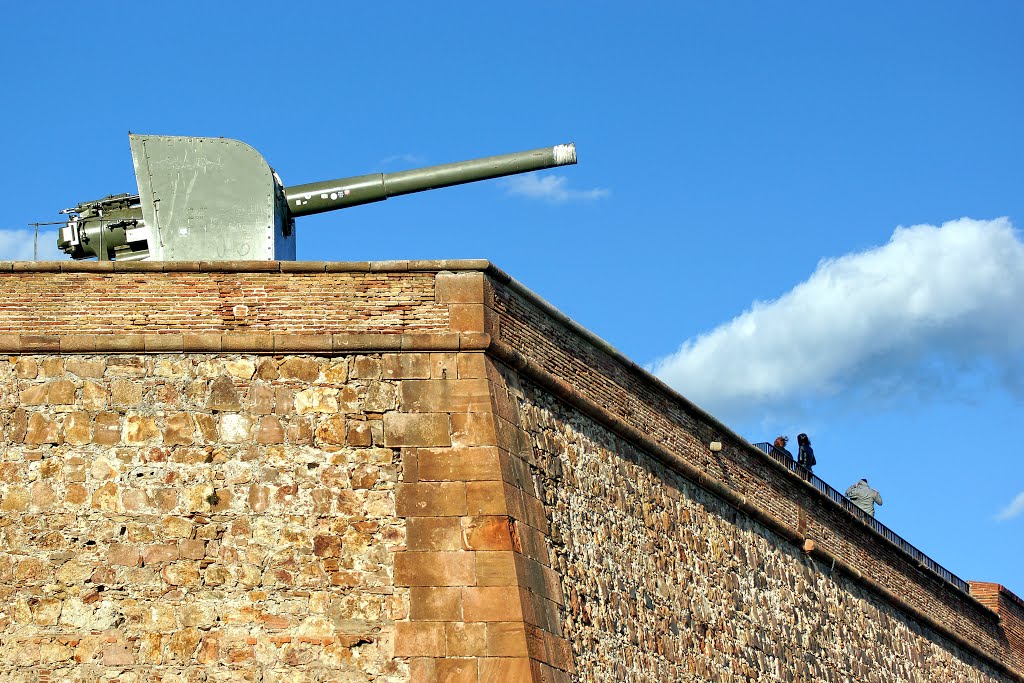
[420, 471]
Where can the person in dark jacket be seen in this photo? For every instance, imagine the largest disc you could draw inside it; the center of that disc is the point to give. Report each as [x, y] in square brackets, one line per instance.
[864, 497]
[780, 444]
[805, 454]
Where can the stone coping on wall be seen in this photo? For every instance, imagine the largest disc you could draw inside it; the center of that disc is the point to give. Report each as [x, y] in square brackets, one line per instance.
[316, 344]
[398, 266]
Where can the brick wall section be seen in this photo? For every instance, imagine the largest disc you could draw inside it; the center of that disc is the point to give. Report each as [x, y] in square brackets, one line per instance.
[1008, 606]
[252, 297]
[528, 334]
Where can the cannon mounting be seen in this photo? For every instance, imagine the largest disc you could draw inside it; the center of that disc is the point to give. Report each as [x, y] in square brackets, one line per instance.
[216, 199]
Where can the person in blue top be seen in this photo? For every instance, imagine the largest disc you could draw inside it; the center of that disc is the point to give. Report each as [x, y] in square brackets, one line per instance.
[805, 454]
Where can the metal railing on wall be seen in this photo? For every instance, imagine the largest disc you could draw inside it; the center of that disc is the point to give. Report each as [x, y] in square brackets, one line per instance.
[783, 459]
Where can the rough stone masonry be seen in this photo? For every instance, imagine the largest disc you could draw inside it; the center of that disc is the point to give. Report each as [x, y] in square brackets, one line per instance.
[413, 471]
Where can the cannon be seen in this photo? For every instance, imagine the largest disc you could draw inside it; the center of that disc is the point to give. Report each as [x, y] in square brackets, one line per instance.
[213, 199]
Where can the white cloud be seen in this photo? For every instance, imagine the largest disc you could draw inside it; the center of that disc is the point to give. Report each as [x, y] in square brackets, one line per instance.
[17, 245]
[552, 188]
[932, 305]
[1014, 509]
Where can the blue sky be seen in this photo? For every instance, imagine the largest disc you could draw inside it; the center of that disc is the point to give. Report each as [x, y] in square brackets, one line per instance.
[732, 223]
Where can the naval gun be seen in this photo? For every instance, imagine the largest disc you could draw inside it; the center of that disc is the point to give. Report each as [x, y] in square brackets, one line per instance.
[211, 199]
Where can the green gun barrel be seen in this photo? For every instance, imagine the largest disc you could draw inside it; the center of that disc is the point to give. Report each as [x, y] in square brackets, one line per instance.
[305, 200]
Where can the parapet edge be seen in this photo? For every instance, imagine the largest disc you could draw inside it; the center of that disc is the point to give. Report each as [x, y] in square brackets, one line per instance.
[407, 265]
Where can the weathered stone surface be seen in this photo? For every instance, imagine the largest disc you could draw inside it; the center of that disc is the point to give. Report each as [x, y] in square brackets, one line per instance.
[316, 400]
[235, 428]
[223, 395]
[270, 430]
[42, 429]
[140, 429]
[78, 428]
[179, 430]
[85, 367]
[126, 393]
[302, 369]
[424, 429]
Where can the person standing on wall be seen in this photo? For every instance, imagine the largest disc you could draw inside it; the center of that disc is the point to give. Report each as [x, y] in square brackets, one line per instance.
[864, 497]
[780, 444]
[805, 454]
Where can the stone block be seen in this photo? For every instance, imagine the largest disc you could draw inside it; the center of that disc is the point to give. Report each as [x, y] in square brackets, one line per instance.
[26, 367]
[466, 640]
[94, 396]
[77, 428]
[235, 428]
[14, 499]
[496, 568]
[433, 533]
[85, 367]
[165, 552]
[486, 498]
[470, 463]
[473, 429]
[42, 429]
[490, 603]
[419, 639]
[139, 429]
[405, 366]
[504, 670]
[270, 430]
[506, 639]
[261, 398]
[419, 429]
[179, 430]
[163, 343]
[223, 395]
[60, 392]
[266, 369]
[359, 433]
[316, 400]
[459, 288]
[192, 549]
[331, 430]
[126, 393]
[34, 395]
[444, 366]
[366, 367]
[486, 533]
[435, 603]
[451, 396]
[431, 670]
[430, 499]
[455, 670]
[124, 555]
[380, 397]
[107, 429]
[336, 372]
[435, 569]
[301, 369]
[466, 317]
[472, 365]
